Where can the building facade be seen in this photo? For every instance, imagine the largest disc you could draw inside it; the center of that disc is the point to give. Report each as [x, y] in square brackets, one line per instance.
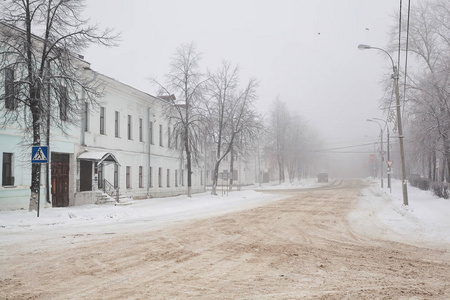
[118, 148]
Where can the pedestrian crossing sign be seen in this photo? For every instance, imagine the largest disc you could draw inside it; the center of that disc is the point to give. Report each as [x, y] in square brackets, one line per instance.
[39, 154]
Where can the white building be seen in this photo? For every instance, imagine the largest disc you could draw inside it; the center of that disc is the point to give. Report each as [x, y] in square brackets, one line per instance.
[125, 143]
[120, 146]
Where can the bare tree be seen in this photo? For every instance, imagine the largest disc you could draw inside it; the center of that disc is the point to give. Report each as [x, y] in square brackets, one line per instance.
[428, 80]
[290, 142]
[38, 45]
[230, 116]
[296, 144]
[279, 119]
[186, 81]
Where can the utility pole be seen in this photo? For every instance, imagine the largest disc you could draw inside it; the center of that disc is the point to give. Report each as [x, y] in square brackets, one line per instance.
[399, 120]
[400, 136]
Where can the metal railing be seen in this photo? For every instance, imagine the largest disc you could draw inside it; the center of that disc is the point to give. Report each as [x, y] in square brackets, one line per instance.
[111, 190]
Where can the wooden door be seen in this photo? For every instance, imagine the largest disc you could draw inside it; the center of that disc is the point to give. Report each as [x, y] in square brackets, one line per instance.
[85, 175]
[60, 179]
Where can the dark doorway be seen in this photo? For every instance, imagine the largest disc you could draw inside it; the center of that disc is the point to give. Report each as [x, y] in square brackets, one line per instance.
[60, 179]
[85, 175]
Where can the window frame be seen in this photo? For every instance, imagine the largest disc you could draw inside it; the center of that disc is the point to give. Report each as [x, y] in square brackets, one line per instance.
[141, 177]
[128, 177]
[129, 127]
[117, 124]
[168, 178]
[151, 177]
[9, 170]
[63, 102]
[102, 120]
[141, 130]
[86, 116]
[150, 129]
[10, 90]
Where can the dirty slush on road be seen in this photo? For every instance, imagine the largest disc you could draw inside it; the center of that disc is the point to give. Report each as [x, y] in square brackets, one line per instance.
[302, 247]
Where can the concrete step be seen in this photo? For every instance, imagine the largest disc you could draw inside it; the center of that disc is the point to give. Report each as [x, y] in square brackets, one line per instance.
[125, 200]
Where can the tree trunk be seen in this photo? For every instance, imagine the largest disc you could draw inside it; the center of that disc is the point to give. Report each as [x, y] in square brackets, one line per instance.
[433, 165]
[36, 168]
[280, 171]
[189, 170]
[231, 167]
[215, 178]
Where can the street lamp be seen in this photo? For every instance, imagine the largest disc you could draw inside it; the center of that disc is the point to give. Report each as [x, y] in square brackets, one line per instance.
[386, 123]
[381, 151]
[399, 120]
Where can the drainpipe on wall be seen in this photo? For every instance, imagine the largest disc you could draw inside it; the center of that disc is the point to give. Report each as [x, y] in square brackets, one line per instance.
[149, 152]
[83, 119]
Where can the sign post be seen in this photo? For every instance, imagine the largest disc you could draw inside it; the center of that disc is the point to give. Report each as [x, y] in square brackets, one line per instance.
[39, 155]
[389, 164]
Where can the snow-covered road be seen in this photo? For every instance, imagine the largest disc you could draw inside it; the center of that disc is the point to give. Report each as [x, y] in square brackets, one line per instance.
[347, 239]
[426, 219]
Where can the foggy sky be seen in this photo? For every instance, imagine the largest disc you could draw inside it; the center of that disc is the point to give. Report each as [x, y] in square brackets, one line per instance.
[304, 52]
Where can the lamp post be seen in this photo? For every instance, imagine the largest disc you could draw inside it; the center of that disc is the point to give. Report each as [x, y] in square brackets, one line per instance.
[388, 151]
[399, 120]
[381, 151]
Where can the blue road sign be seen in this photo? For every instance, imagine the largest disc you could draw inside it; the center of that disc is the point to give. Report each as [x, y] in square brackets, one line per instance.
[39, 154]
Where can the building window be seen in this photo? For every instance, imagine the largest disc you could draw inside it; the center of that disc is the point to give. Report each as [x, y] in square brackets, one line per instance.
[86, 116]
[7, 169]
[161, 135]
[141, 136]
[201, 177]
[150, 132]
[176, 177]
[102, 120]
[129, 129]
[168, 137]
[128, 179]
[116, 175]
[151, 175]
[140, 176]
[160, 177]
[63, 103]
[10, 93]
[182, 177]
[168, 177]
[175, 141]
[116, 124]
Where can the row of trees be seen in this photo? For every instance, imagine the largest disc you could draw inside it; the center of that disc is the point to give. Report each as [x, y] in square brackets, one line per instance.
[216, 109]
[290, 142]
[427, 88]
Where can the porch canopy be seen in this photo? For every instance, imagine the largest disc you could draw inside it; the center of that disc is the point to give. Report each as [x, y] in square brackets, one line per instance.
[99, 157]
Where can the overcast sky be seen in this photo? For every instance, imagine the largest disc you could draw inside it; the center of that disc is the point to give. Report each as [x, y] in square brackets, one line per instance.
[302, 51]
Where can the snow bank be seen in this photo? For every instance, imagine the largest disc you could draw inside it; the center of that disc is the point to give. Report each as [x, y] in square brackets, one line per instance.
[156, 209]
[381, 214]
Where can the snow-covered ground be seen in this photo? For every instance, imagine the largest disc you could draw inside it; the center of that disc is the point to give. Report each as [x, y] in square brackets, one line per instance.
[379, 214]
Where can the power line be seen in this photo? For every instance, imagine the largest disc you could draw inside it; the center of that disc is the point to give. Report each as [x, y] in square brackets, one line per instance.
[347, 147]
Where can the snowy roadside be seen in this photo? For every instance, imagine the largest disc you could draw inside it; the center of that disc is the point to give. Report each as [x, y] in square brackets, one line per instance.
[381, 214]
[155, 212]
[157, 209]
